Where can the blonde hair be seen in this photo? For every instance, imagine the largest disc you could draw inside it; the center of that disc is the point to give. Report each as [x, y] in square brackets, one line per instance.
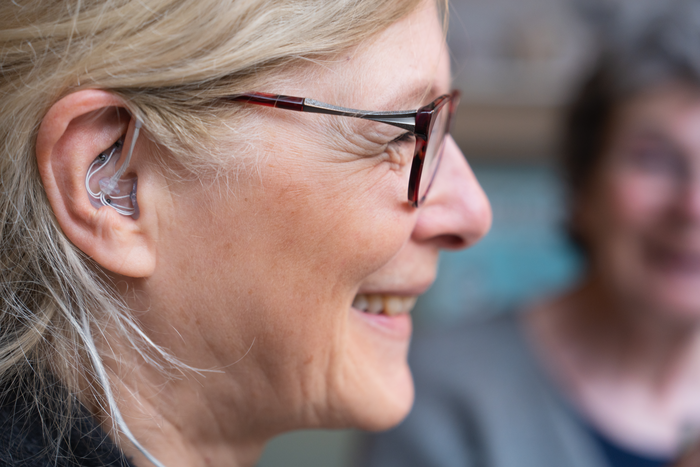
[172, 61]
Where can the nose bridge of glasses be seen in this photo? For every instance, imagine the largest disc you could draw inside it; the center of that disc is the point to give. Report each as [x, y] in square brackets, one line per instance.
[404, 119]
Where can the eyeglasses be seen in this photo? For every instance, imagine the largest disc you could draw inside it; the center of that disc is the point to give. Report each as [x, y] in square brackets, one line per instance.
[430, 125]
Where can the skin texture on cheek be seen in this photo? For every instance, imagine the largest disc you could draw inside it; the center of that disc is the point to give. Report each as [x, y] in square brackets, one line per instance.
[284, 277]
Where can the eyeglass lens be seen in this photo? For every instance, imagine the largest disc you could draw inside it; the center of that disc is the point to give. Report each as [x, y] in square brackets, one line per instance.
[433, 152]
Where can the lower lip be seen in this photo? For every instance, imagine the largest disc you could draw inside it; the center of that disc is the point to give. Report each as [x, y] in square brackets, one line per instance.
[397, 327]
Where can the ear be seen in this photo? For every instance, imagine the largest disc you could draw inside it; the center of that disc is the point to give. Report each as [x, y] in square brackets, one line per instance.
[75, 130]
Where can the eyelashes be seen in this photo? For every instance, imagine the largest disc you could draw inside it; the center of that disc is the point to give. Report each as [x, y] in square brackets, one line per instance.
[406, 137]
[401, 148]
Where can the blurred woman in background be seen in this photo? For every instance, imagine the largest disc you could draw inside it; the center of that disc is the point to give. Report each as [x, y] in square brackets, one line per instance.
[192, 260]
[607, 374]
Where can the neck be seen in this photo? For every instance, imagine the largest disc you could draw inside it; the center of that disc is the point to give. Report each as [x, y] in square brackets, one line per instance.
[633, 372]
[178, 422]
[628, 340]
[174, 442]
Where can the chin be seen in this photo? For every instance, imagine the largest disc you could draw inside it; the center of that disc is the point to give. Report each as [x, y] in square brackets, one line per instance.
[375, 388]
[387, 407]
[675, 296]
[686, 311]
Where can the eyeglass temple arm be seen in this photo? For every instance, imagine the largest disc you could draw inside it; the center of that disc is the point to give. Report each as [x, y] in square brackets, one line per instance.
[404, 119]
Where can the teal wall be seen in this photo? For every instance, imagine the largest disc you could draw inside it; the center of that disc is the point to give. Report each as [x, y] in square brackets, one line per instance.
[525, 255]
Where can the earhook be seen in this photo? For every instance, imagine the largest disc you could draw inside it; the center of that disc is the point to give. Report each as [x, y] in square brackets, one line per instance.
[115, 192]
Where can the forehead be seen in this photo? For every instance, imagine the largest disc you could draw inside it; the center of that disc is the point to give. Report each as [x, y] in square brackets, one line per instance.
[671, 110]
[403, 67]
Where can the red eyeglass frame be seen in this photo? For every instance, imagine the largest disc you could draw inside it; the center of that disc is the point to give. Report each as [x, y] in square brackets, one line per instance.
[419, 122]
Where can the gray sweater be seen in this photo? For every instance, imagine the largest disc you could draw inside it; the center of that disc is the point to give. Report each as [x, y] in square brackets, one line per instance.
[483, 401]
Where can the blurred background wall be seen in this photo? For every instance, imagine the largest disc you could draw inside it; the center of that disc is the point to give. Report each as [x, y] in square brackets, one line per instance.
[516, 62]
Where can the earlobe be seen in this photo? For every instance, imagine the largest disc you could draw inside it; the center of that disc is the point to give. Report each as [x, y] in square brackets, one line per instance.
[71, 137]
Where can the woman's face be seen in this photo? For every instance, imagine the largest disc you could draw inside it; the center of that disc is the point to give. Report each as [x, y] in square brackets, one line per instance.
[642, 213]
[257, 275]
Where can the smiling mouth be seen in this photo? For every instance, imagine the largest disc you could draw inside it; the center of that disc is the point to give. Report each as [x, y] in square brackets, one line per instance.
[378, 304]
[679, 262]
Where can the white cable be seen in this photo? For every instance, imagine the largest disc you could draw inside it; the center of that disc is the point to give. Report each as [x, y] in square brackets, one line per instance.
[109, 186]
[102, 375]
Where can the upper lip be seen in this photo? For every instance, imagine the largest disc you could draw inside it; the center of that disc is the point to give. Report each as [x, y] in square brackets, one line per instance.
[675, 249]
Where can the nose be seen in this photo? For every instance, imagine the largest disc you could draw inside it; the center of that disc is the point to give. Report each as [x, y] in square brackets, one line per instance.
[456, 213]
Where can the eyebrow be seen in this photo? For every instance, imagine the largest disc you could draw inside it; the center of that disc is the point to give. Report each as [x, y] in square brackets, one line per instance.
[420, 93]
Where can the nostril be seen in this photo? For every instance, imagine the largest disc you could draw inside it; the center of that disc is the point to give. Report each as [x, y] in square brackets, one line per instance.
[450, 242]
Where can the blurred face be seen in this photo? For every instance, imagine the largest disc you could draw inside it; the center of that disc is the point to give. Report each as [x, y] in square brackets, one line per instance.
[642, 213]
[258, 277]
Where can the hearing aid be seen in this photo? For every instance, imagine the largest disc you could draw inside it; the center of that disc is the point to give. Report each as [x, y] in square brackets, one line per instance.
[114, 191]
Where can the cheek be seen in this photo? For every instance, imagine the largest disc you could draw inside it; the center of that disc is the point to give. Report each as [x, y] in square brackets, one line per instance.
[635, 203]
[616, 219]
[296, 243]
[344, 220]
[280, 267]
[344, 230]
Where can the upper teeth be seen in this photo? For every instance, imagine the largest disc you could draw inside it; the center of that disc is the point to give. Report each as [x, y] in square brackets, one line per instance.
[389, 304]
